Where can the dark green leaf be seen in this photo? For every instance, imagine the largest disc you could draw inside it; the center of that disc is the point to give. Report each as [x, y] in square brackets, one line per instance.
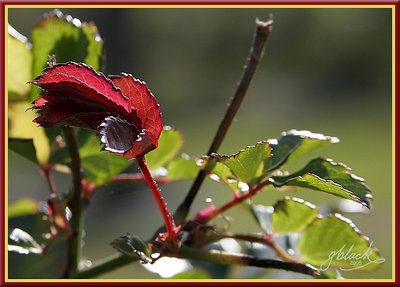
[293, 144]
[169, 144]
[23, 147]
[292, 215]
[328, 176]
[21, 242]
[336, 242]
[132, 246]
[50, 265]
[68, 39]
[246, 166]
[182, 167]
[22, 206]
[19, 65]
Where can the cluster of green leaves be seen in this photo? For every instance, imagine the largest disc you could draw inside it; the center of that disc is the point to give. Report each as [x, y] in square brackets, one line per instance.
[261, 165]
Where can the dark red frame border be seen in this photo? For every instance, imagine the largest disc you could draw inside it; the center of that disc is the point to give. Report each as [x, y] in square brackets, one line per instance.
[3, 3]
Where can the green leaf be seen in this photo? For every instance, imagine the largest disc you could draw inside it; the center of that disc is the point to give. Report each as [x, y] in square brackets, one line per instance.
[68, 39]
[20, 125]
[220, 172]
[292, 215]
[19, 65]
[132, 246]
[22, 206]
[169, 144]
[246, 166]
[98, 166]
[21, 242]
[182, 167]
[328, 176]
[293, 144]
[94, 49]
[23, 147]
[336, 242]
[192, 274]
[50, 265]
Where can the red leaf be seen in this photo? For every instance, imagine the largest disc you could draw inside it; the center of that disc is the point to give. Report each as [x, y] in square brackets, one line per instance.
[141, 100]
[123, 110]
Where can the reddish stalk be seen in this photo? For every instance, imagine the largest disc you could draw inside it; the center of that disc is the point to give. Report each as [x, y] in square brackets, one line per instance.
[168, 220]
[207, 214]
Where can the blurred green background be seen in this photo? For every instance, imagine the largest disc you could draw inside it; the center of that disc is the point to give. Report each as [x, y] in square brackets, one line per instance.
[324, 70]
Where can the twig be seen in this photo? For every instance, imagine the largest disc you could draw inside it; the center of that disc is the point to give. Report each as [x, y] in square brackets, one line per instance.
[263, 240]
[261, 36]
[47, 171]
[75, 204]
[207, 214]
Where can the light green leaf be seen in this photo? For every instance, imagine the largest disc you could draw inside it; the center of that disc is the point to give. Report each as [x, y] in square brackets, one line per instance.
[192, 274]
[292, 215]
[22, 207]
[336, 242]
[23, 147]
[94, 49]
[169, 144]
[245, 166]
[19, 65]
[293, 144]
[21, 126]
[68, 39]
[182, 167]
[328, 176]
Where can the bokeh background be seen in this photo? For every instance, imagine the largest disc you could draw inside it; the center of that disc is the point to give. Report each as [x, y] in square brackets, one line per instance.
[326, 70]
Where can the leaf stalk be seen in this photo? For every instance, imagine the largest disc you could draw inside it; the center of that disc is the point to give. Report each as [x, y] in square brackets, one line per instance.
[168, 220]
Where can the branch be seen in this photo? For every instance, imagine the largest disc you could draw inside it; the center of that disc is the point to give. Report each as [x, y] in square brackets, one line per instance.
[222, 257]
[105, 265]
[75, 204]
[261, 36]
[216, 256]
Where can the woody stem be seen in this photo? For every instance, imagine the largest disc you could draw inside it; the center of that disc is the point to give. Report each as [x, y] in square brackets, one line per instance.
[168, 220]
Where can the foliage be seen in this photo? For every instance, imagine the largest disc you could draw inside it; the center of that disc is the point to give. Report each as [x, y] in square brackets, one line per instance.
[122, 109]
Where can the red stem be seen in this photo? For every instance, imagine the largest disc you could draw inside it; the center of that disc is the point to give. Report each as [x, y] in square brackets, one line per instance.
[168, 220]
[207, 214]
